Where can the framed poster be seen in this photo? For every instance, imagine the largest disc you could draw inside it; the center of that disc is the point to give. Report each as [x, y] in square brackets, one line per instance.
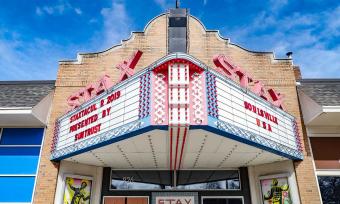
[77, 189]
[275, 189]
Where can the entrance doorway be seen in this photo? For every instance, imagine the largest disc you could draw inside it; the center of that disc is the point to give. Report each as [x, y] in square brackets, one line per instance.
[222, 200]
[125, 200]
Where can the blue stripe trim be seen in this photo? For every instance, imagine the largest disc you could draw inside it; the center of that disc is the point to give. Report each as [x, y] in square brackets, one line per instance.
[18, 164]
[16, 189]
[33, 151]
[21, 136]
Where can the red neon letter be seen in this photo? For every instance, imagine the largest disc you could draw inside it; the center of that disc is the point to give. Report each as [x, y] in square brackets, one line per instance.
[259, 90]
[73, 101]
[104, 84]
[277, 98]
[244, 77]
[87, 93]
[127, 67]
[224, 66]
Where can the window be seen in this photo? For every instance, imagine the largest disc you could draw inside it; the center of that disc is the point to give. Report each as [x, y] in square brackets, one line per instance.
[329, 188]
[222, 200]
[141, 180]
[19, 156]
[208, 180]
[164, 180]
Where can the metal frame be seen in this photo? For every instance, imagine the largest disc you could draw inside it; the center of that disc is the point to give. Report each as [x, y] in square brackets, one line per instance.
[328, 172]
[78, 177]
[148, 198]
[173, 178]
[245, 188]
[203, 197]
[270, 177]
[38, 163]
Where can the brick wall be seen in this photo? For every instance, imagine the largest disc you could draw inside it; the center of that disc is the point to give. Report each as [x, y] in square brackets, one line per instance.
[73, 75]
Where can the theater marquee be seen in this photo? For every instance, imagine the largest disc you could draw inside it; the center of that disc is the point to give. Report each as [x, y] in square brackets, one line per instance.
[177, 94]
[115, 108]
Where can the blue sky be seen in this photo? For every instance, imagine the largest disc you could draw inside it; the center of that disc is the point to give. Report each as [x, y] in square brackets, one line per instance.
[35, 35]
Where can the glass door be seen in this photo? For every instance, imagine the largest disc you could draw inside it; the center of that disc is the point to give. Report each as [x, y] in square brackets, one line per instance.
[222, 200]
[125, 200]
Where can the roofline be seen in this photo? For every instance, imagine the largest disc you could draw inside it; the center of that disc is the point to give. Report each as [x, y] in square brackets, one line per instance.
[81, 54]
[319, 80]
[234, 44]
[28, 82]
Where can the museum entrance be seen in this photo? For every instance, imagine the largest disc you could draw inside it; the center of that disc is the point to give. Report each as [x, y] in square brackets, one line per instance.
[181, 187]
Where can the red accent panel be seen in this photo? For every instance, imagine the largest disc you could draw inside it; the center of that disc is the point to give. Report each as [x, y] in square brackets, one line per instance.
[277, 98]
[259, 90]
[182, 149]
[127, 67]
[178, 131]
[171, 132]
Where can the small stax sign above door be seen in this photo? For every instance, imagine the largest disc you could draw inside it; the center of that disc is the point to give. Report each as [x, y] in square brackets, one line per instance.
[175, 200]
[231, 71]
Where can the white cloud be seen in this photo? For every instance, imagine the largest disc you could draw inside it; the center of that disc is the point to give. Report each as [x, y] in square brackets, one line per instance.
[307, 35]
[78, 11]
[38, 11]
[319, 62]
[93, 20]
[276, 5]
[117, 24]
[60, 8]
[165, 4]
[22, 60]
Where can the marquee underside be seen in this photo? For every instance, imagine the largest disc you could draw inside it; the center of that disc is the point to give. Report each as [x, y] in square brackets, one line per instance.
[151, 150]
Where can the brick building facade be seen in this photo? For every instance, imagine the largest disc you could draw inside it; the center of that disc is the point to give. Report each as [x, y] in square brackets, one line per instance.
[154, 42]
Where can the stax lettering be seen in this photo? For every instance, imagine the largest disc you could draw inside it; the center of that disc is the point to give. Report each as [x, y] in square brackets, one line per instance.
[174, 201]
[127, 67]
[225, 67]
[95, 89]
[90, 91]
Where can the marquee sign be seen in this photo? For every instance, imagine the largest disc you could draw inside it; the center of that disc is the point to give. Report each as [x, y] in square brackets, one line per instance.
[248, 112]
[106, 112]
[231, 71]
[178, 94]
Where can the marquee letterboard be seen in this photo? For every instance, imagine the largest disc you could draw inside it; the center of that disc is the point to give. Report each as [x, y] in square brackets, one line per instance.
[245, 110]
[106, 112]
